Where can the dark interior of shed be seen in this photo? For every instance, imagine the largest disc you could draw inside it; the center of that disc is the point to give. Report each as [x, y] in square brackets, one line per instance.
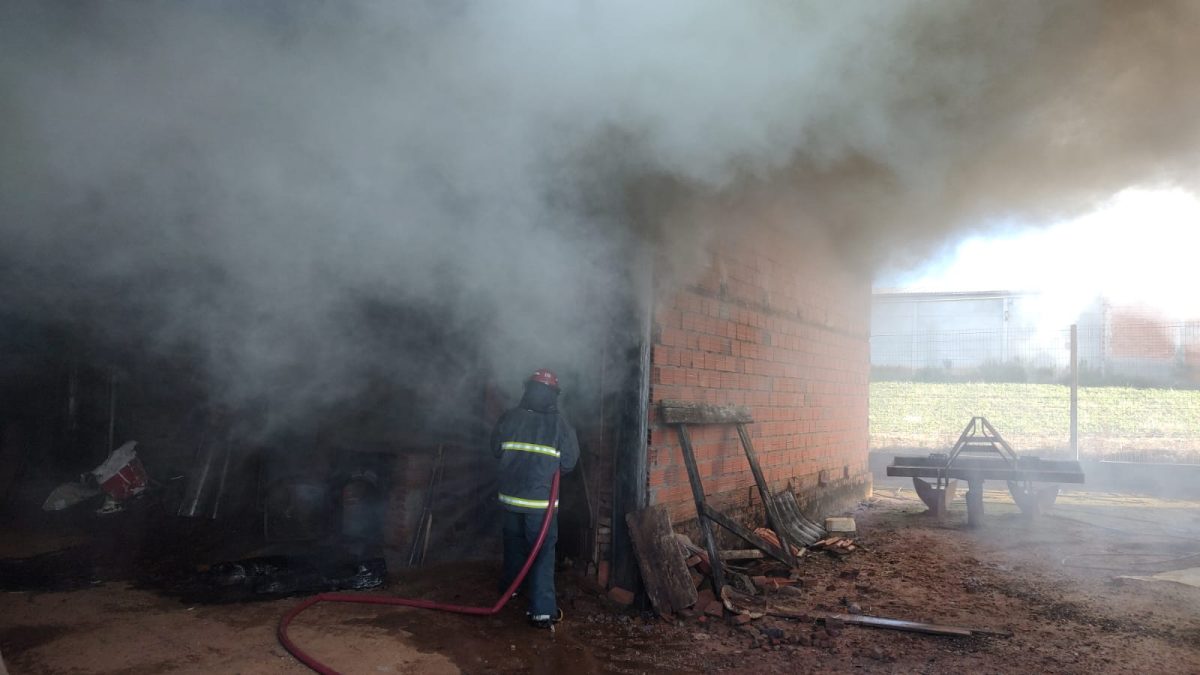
[242, 498]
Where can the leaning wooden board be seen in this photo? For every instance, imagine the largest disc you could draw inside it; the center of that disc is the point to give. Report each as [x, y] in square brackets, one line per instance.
[664, 572]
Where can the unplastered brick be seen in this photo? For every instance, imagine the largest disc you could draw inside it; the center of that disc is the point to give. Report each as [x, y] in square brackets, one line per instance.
[779, 326]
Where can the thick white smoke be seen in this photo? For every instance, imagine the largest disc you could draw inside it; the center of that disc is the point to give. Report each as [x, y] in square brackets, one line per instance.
[236, 177]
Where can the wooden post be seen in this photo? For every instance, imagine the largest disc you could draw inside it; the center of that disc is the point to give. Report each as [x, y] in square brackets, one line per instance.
[764, 491]
[664, 574]
[710, 544]
[629, 451]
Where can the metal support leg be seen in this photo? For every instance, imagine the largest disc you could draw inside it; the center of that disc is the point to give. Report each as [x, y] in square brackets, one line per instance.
[937, 495]
[975, 503]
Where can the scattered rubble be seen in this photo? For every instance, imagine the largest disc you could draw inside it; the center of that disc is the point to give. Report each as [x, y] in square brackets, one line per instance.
[119, 478]
[621, 596]
[761, 591]
[836, 545]
[912, 571]
[280, 575]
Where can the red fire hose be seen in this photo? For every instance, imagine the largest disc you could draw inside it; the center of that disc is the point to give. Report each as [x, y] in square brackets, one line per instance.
[319, 667]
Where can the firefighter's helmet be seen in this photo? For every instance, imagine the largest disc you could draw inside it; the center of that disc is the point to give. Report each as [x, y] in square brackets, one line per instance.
[546, 377]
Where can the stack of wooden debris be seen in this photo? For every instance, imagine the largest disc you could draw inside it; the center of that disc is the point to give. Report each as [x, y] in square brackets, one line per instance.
[673, 567]
[675, 573]
[769, 535]
[836, 545]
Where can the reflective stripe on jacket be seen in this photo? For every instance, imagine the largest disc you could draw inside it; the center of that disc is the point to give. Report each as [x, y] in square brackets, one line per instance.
[539, 504]
[531, 446]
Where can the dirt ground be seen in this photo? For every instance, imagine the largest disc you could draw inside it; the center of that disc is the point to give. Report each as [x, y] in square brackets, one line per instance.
[1052, 583]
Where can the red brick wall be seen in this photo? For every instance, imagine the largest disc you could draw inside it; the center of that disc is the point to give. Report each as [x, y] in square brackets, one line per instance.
[775, 322]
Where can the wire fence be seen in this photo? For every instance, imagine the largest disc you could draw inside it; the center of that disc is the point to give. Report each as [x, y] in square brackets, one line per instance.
[1138, 387]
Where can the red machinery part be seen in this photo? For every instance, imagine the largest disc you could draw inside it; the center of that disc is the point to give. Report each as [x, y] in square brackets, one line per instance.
[319, 667]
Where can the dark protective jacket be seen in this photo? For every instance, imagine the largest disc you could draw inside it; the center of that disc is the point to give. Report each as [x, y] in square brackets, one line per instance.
[532, 441]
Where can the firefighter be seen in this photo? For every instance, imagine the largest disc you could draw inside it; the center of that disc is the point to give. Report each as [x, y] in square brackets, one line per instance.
[533, 441]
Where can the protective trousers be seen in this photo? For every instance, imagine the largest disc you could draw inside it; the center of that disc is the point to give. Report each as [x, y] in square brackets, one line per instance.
[520, 534]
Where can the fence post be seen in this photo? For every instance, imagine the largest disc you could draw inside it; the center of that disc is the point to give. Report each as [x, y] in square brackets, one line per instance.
[1075, 390]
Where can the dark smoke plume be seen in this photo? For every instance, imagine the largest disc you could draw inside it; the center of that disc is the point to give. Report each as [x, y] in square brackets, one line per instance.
[243, 179]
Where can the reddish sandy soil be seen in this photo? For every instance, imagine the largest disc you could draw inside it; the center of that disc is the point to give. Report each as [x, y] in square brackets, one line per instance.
[1008, 577]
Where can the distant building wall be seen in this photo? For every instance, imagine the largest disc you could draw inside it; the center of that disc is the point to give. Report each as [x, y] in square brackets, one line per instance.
[965, 334]
[1142, 344]
[960, 331]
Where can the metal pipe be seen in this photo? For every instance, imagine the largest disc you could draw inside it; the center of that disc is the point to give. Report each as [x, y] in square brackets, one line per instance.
[1075, 391]
[224, 476]
[974, 503]
[198, 476]
[112, 411]
[73, 397]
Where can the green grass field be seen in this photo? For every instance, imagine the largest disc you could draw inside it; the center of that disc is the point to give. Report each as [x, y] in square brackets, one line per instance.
[1112, 420]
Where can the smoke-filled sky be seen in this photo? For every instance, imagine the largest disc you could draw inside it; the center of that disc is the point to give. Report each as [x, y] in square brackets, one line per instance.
[1136, 250]
[236, 177]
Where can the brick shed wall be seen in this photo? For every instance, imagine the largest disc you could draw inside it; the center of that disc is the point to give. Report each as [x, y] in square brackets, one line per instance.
[778, 324]
[1140, 335]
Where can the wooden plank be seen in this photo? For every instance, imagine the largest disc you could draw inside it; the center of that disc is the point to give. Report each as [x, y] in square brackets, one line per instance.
[750, 538]
[710, 544]
[744, 554]
[630, 384]
[690, 412]
[664, 574]
[764, 492]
